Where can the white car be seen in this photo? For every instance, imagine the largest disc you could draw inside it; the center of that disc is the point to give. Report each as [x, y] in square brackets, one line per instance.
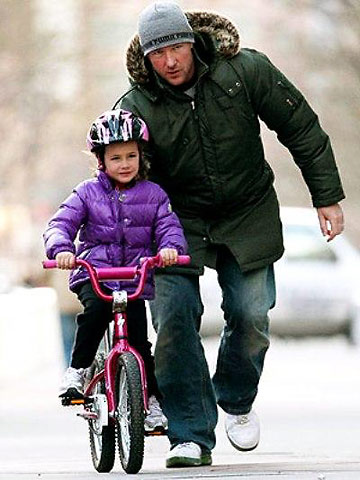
[317, 282]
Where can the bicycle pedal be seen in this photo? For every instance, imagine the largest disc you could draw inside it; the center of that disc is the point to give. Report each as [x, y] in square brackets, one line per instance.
[68, 401]
[158, 432]
[87, 415]
[72, 397]
[77, 401]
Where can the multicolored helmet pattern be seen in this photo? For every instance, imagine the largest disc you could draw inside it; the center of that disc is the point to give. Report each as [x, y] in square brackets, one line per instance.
[116, 126]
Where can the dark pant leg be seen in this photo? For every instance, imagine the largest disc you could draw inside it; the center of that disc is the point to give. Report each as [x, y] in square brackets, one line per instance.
[138, 338]
[92, 324]
[180, 365]
[247, 298]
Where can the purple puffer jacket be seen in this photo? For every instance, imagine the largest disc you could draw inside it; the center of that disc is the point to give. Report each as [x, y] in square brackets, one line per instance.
[116, 228]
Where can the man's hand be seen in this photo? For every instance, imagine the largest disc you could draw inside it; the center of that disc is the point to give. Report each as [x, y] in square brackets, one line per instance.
[169, 256]
[65, 260]
[331, 220]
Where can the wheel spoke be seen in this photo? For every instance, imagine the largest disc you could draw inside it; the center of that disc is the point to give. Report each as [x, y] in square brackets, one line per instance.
[124, 414]
[130, 414]
[102, 438]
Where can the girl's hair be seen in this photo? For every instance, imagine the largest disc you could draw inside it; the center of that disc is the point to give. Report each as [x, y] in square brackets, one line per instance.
[144, 164]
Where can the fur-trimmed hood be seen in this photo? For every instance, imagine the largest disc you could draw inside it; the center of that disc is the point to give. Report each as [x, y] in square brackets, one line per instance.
[220, 32]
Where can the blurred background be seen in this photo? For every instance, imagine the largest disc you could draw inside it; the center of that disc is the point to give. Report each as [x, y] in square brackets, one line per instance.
[61, 65]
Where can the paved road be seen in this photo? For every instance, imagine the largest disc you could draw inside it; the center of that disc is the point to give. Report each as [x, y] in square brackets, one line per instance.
[309, 405]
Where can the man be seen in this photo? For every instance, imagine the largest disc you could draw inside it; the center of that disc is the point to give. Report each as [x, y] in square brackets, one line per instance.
[202, 98]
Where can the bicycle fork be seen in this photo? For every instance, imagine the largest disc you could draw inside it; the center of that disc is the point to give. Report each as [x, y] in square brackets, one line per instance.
[111, 364]
[117, 336]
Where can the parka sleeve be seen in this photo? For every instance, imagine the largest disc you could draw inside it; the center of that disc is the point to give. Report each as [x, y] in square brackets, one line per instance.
[168, 230]
[284, 109]
[63, 227]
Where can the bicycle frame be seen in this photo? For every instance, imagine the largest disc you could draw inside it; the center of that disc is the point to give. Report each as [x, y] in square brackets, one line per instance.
[119, 343]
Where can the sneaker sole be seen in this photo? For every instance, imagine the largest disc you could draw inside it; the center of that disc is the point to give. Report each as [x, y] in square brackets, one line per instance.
[178, 462]
[158, 426]
[242, 449]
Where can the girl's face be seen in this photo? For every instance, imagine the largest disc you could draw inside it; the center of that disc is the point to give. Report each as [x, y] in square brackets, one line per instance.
[122, 162]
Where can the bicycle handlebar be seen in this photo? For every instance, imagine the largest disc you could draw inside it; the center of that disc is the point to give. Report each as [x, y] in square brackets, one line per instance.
[100, 274]
[106, 273]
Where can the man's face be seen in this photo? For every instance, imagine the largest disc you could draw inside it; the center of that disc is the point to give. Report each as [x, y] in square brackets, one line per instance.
[175, 63]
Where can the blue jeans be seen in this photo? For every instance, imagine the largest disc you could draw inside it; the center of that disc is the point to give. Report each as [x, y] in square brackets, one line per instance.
[190, 398]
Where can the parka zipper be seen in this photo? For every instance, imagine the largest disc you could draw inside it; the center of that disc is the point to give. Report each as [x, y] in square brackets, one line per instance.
[194, 108]
[290, 98]
[195, 113]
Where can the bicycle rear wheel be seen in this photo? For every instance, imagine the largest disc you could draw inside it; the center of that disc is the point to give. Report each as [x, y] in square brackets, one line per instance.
[102, 438]
[130, 414]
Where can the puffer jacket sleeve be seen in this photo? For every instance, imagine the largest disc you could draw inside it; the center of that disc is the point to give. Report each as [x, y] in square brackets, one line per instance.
[63, 227]
[285, 110]
[168, 229]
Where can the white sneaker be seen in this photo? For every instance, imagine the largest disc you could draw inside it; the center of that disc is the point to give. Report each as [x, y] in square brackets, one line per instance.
[243, 431]
[155, 420]
[188, 454]
[72, 384]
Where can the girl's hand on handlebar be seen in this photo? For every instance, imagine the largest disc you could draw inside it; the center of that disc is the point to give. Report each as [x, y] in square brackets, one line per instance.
[65, 260]
[168, 256]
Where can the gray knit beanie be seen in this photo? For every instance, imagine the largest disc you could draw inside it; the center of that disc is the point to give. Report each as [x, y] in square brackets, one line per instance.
[162, 24]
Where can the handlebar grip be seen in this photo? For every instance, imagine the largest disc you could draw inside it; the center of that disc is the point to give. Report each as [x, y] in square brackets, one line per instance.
[49, 264]
[183, 260]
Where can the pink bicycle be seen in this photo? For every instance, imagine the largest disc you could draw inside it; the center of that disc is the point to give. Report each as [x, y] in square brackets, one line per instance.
[115, 399]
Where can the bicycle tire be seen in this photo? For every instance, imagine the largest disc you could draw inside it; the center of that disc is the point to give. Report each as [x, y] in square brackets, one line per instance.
[102, 439]
[130, 414]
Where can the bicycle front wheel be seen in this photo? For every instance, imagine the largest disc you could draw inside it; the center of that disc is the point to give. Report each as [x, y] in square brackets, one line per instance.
[130, 414]
[102, 438]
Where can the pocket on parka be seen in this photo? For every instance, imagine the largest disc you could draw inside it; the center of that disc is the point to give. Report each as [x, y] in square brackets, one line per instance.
[236, 98]
[231, 116]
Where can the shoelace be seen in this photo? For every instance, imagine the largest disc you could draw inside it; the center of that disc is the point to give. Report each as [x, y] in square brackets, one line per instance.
[74, 375]
[155, 408]
[242, 419]
[183, 446]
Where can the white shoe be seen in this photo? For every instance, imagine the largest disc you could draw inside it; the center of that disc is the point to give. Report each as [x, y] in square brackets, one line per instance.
[72, 384]
[243, 431]
[155, 420]
[188, 454]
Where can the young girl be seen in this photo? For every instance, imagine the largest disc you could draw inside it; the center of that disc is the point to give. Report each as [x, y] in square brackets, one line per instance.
[119, 216]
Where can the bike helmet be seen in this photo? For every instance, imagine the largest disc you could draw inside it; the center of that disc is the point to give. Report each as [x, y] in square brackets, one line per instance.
[116, 126]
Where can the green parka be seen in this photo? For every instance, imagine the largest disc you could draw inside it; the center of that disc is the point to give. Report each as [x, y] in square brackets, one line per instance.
[207, 152]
